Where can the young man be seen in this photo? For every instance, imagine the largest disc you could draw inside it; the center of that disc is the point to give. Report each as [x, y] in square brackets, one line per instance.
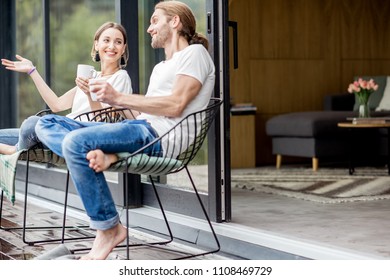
[178, 86]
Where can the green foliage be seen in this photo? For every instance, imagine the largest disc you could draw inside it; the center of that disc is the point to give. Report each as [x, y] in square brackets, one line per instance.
[72, 28]
[73, 24]
[72, 43]
[30, 45]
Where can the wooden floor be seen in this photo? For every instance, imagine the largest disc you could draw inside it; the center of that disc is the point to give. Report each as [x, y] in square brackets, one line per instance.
[12, 246]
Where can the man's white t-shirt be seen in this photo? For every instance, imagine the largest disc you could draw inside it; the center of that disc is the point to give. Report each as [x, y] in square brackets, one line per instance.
[194, 61]
[120, 81]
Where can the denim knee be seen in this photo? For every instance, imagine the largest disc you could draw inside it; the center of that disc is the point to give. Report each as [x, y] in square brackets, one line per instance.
[28, 126]
[27, 136]
[70, 146]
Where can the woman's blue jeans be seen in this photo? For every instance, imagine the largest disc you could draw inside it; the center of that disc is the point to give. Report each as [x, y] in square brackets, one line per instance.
[73, 140]
[23, 137]
[9, 136]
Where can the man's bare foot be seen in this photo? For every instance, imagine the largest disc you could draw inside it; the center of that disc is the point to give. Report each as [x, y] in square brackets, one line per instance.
[100, 161]
[7, 149]
[105, 241]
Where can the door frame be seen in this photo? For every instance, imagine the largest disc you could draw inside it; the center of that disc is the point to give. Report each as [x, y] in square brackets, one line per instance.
[218, 200]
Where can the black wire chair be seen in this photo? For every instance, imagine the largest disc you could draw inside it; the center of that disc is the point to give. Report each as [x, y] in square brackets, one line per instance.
[181, 144]
[179, 152]
[40, 154]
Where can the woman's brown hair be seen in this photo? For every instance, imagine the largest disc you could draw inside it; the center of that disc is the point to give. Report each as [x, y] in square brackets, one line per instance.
[103, 28]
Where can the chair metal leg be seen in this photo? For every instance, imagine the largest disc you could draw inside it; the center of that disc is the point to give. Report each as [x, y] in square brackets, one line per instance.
[63, 227]
[208, 221]
[24, 227]
[128, 245]
[163, 242]
[187, 256]
[1, 210]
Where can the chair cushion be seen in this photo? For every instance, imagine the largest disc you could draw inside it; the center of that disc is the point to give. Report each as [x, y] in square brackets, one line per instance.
[144, 164]
[43, 156]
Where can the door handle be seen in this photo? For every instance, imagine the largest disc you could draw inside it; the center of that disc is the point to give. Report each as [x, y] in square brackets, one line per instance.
[233, 25]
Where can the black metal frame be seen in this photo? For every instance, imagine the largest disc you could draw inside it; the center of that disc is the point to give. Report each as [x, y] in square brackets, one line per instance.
[39, 154]
[32, 155]
[8, 105]
[139, 162]
[24, 226]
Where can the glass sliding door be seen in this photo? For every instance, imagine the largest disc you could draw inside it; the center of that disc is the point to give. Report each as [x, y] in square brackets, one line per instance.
[209, 167]
[65, 41]
[62, 38]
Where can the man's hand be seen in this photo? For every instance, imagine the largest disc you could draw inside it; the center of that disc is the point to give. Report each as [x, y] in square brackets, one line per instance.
[104, 92]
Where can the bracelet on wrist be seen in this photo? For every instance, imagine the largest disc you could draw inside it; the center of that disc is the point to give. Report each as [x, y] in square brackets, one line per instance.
[32, 70]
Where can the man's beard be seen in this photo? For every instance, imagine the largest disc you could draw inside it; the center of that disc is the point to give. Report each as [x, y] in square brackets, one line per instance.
[161, 38]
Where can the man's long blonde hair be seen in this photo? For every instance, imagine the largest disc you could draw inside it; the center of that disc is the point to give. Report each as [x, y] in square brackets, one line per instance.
[187, 18]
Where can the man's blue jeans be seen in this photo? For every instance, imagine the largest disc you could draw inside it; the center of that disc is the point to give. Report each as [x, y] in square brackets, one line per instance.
[73, 140]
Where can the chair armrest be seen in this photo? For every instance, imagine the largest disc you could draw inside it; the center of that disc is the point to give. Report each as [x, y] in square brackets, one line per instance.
[109, 114]
[340, 102]
[177, 154]
[43, 112]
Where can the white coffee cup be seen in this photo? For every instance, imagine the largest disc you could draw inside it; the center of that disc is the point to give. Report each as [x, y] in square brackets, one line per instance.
[91, 87]
[85, 71]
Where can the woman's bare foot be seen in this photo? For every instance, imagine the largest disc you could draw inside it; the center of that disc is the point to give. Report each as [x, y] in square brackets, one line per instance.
[7, 149]
[100, 161]
[105, 241]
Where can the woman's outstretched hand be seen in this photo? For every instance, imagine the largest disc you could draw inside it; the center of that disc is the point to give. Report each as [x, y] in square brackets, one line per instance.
[23, 65]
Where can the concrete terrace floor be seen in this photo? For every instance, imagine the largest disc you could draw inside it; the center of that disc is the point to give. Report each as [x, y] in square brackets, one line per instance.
[263, 226]
[12, 246]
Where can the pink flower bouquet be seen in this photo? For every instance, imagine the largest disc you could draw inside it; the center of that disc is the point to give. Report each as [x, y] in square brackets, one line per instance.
[362, 90]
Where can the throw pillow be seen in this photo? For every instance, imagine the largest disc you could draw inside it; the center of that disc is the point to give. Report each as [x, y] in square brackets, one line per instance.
[384, 105]
[377, 95]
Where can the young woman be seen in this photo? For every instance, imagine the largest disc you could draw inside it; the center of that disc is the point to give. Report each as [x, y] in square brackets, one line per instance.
[109, 48]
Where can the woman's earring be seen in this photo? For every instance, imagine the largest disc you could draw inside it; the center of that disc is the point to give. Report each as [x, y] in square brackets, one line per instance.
[97, 56]
[123, 62]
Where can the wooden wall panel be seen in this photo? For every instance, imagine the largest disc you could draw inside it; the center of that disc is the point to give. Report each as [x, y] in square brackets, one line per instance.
[286, 85]
[243, 148]
[365, 29]
[354, 68]
[286, 29]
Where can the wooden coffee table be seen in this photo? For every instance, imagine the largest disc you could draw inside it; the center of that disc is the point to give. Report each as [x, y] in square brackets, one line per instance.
[373, 125]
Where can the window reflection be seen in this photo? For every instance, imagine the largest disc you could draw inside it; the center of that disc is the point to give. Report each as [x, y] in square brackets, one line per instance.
[29, 43]
[148, 58]
[72, 26]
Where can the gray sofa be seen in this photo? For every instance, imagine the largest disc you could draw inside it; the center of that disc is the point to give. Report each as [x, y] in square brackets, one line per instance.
[315, 134]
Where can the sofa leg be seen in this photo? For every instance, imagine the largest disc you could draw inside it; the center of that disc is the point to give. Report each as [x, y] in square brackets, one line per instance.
[315, 164]
[278, 161]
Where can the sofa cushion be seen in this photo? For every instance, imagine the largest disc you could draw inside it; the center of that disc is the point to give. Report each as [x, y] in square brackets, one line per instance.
[311, 123]
[384, 104]
[307, 124]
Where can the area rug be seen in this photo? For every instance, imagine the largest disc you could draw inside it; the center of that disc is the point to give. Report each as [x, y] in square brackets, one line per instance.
[327, 185]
